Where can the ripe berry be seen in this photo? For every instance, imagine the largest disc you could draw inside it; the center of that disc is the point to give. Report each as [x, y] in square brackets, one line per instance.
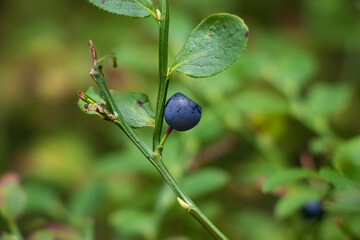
[181, 113]
[312, 210]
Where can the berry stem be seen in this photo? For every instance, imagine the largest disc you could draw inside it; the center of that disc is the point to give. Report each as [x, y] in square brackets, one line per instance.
[160, 148]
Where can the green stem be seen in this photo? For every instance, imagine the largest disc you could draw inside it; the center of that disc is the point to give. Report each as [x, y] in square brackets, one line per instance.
[15, 229]
[192, 208]
[163, 68]
[157, 162]
[160, 148]
[100, 81]
[153, 157]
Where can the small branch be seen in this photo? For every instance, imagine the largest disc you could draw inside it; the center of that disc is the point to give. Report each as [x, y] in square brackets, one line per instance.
[186, 202]
[93, 53]
[163, 70]
[153, 157]
[160, 148]
[119, 120]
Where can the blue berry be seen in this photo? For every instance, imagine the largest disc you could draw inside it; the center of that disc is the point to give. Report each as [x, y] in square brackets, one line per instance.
[312, 210]
[181, 113]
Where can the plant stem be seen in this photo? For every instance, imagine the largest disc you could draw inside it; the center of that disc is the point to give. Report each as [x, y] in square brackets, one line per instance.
[100, 81]
[192, 208]
[163, 68]
[15, 229]
[153, 157]
[156, 161]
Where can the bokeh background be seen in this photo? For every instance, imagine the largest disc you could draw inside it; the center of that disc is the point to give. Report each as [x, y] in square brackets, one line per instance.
[291, 102]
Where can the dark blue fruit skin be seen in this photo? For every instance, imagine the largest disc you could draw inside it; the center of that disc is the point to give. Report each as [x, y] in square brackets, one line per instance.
[311, 210]
[181, 113]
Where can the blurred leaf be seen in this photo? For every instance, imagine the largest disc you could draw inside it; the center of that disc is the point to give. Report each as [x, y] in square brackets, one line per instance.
[133, 222]
[325, 100]
[345, 202]
[286, 176]
[289, 71]
[178, 238]
[260, 102]
[43, 199]
[213, 89]
[55, 232]
[340, 182]
[130, 161]
[212, 46]
[323, 144]
[63, 159]
[292, 201]
[12, 196]
[131, 8]
[328, 231]
[205, 181]
[121, 189]
[247, 219]
[6, 236]
[134, 107]
[86, 200]
[347, 158]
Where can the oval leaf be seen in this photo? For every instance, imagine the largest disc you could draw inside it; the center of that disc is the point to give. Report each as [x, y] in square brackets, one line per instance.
[285, 177]
[346, 158]
[135, 107]
[12, 196]
[131, 8]
[293, 201]
[212, 46]
[132, 222]
[205, 181]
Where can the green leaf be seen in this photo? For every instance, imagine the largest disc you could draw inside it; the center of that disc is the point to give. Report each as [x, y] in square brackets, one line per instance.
[317, 102]
[248, 218]
[292, 202]
[340, 182]
[12, 196]
[134, 107]
[86, 200]
[7, 236]
[287, 68]
[205, 181]
[347, 158]
[44, 200]
[56, 231]
[285, 177]
[260, 102]
[345, 202]
[212, 46]
[91, 103]
[132, 222]
[131, 8]
[121, 163]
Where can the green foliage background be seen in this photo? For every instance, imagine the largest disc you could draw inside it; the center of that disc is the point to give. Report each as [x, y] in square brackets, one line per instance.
[279, 127]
